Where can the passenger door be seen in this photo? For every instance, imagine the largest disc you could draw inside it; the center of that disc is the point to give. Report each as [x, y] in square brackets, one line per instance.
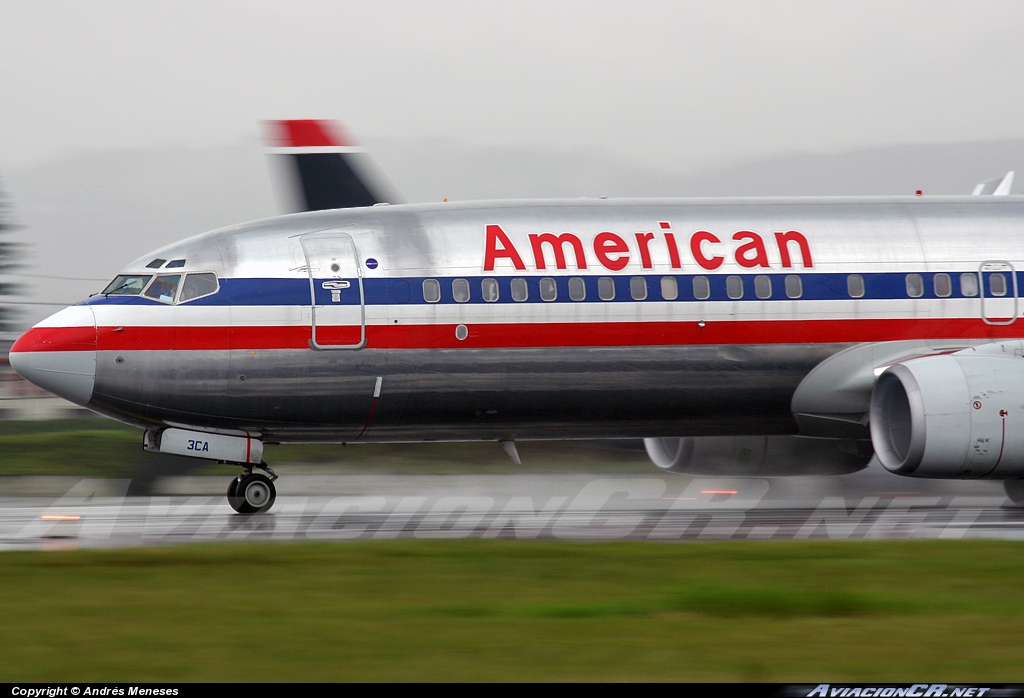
[336, 291]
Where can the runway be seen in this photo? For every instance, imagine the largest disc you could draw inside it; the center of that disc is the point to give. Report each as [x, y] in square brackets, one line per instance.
[96, 514]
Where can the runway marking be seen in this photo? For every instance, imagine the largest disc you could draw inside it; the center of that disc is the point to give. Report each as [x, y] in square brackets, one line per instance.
[606, 507]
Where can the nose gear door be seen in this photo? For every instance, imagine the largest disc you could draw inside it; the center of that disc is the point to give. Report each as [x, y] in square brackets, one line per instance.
[336, 291]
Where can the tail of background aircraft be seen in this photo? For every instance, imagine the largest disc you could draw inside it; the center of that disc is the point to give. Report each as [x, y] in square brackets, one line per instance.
[333, 170]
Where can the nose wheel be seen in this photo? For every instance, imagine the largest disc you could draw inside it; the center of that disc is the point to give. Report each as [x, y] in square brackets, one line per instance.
[252, 493]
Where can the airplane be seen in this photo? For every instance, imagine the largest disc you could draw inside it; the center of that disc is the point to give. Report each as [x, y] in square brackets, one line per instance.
[743, 337]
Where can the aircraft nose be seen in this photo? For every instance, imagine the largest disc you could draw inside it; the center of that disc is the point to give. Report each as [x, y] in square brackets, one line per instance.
[59, 354]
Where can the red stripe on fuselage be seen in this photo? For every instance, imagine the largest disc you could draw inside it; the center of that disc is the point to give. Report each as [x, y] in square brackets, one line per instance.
[614, 334]
[513, 335]
[57, 339]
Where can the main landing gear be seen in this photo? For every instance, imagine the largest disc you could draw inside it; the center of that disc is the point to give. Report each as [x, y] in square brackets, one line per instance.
[251, 492]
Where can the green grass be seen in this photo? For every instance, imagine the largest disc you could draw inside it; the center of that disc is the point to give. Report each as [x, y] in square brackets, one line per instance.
[502, 610]
[93, 447]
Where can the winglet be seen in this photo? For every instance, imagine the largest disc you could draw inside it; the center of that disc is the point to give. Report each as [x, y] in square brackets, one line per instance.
[1004, 187]
[333, 170]
[997, 186]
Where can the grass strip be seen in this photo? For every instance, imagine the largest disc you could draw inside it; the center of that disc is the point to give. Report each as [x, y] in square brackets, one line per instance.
[479, 610]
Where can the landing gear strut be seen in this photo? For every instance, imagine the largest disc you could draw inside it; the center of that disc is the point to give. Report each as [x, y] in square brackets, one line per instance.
[253, 493]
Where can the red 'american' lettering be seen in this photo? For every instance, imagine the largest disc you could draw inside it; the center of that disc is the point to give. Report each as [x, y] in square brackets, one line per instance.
[708, 251]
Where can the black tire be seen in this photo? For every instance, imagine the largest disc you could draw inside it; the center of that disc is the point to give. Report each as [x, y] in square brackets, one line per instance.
[255, 494]
[237, 503]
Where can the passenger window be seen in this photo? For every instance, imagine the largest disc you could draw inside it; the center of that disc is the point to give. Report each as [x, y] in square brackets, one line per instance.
[943, 285]
[762, 287]
[701, 288]
[794, 286]
[734, 287]
[577, 289]
[460, 290]
[997, 284]
[163, 288]
[197, 286]
[855, 285]
[520, 291]
[126, 285]
[669, 288]
[548, 289]
[606, 288]
[969, 285]
[431, 290]
[915, 285]
[489, 288]
[638, 288]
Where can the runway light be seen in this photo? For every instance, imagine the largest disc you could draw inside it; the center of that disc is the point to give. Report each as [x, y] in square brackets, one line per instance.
[718, 491]
[60, 517]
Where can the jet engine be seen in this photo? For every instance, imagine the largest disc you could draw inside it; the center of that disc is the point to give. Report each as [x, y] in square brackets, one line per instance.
[959, 415]
[758, 456]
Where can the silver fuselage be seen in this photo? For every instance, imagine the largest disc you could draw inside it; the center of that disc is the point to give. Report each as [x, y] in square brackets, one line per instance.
[325, 326]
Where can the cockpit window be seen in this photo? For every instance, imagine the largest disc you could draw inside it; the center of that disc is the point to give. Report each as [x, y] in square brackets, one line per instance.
[127, 285]
[197, 286]
[175, 263]
[163, 288]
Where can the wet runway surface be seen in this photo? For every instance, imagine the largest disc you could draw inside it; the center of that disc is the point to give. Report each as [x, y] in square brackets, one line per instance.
[94, 514]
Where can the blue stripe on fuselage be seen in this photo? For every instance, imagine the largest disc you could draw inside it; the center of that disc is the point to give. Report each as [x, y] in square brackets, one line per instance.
[409, 291]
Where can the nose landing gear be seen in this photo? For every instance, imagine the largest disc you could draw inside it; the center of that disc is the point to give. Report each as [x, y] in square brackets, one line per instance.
[253, 493]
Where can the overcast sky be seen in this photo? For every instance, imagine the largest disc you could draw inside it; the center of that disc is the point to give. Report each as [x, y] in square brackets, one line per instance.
[128, 125]
[669, 84]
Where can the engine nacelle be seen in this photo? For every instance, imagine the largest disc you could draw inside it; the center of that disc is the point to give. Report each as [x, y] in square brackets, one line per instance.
[758, 456]
[954, 416]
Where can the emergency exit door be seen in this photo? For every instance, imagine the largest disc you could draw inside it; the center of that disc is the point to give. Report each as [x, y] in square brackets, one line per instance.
[999, 292]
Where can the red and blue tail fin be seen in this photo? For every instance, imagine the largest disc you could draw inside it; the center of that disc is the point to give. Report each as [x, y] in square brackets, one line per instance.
[333, 170]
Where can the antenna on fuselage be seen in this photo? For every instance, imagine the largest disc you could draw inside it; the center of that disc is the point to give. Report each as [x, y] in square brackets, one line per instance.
[328, 167]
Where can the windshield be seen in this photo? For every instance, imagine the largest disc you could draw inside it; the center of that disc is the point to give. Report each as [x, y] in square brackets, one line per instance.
[197, 286]
[127, 285]
[163, 288]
